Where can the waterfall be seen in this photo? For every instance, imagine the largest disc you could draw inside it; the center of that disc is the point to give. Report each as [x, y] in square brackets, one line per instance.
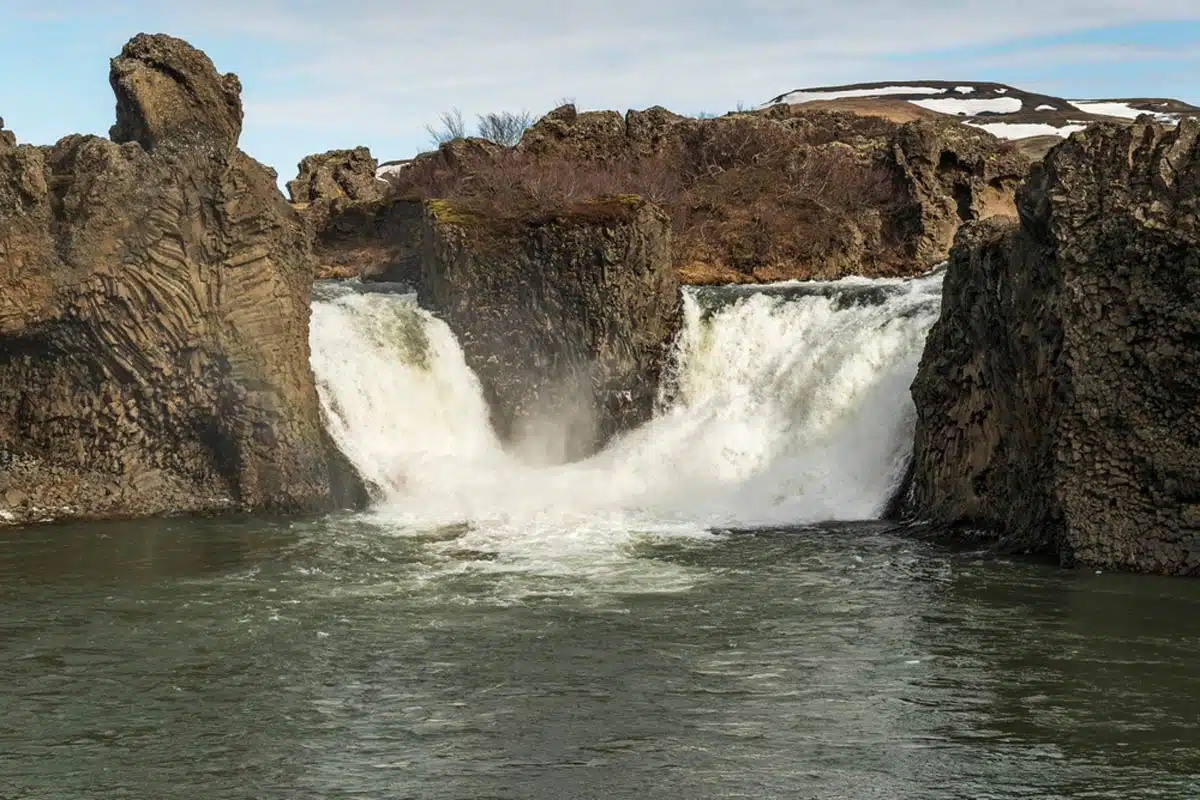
[785, 404]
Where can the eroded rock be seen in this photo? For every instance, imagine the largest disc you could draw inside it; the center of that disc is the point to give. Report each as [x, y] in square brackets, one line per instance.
[1058, 394]
[337, 175]
[343, 204]
[953, 174]
[168, 92]
[154, 303]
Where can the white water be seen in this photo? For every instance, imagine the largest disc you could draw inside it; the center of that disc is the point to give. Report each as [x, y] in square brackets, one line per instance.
[786, 411]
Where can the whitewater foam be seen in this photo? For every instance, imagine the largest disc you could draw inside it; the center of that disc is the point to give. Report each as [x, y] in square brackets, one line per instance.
[786, 405]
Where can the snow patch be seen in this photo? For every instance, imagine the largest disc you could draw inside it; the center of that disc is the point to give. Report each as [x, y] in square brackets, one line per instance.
[389, 169]
[1045, 107]
[1002, 91]
[964, 89]
[1121, 110]
[7, 516]
[995, 105]
[797, 97]
[1023, 130]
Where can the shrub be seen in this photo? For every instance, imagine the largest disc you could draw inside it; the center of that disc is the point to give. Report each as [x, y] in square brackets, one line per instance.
[501, 127]
[452, 127]
[504, 127]
[507, 183]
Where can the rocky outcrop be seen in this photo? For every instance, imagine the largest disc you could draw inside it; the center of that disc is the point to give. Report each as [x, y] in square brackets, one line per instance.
[356, 227]
[762, 196]
[591, 135]
[169, 95]
[789, 193]
[154, 304]
[337, 175]
[8, 139]
[566, 318]
[1057, 397]
[953, 174]
[342, 202]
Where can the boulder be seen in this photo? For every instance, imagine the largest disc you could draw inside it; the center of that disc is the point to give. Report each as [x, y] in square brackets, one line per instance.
[154, 304]
[337, 175]
[566, 317]
[1057, 396]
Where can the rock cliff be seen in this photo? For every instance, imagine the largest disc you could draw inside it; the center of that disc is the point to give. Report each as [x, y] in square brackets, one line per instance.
[566, 317]
[1058, 398]
[789, 193]
[951, 174]
[154, 304]
[751, 197]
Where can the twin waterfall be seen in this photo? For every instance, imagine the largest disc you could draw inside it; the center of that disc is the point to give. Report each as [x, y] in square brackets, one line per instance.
[786, 405]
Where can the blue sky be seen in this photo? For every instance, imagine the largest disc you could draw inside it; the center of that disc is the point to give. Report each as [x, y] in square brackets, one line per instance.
[319, 75]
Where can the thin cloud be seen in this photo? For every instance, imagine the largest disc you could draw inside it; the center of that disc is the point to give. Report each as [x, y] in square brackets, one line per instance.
[1080, 53]
[487, 55]
[375, 71]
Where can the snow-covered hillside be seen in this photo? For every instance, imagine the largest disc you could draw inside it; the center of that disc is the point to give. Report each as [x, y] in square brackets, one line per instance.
[1005, 111]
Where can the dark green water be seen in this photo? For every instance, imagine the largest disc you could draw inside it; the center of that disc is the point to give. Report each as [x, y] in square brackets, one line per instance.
[330, 659]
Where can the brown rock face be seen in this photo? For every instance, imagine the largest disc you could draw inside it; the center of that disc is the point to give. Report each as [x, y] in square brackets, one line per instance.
[751, 197]
[565, 318]
[356, 230]
[375, 241]
[1057, 398]
[154, 303]
[337, 174]
[953, 174]
[168, 91]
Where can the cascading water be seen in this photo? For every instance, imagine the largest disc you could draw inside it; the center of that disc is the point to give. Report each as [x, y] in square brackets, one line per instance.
[787, 405]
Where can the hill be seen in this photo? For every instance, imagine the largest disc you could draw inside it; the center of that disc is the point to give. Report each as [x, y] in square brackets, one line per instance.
[1008, 112]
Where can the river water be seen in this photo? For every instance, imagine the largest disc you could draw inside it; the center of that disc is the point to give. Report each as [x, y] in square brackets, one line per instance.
[696, 612]
[334, 659]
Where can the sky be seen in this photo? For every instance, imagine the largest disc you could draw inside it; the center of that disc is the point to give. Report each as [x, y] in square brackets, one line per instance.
[319, 75]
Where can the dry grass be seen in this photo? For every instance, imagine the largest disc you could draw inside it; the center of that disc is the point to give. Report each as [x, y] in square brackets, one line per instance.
[891, 109]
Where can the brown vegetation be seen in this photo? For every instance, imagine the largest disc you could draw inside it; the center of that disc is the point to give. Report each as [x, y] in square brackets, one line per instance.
[751, 196]
[746, 196]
